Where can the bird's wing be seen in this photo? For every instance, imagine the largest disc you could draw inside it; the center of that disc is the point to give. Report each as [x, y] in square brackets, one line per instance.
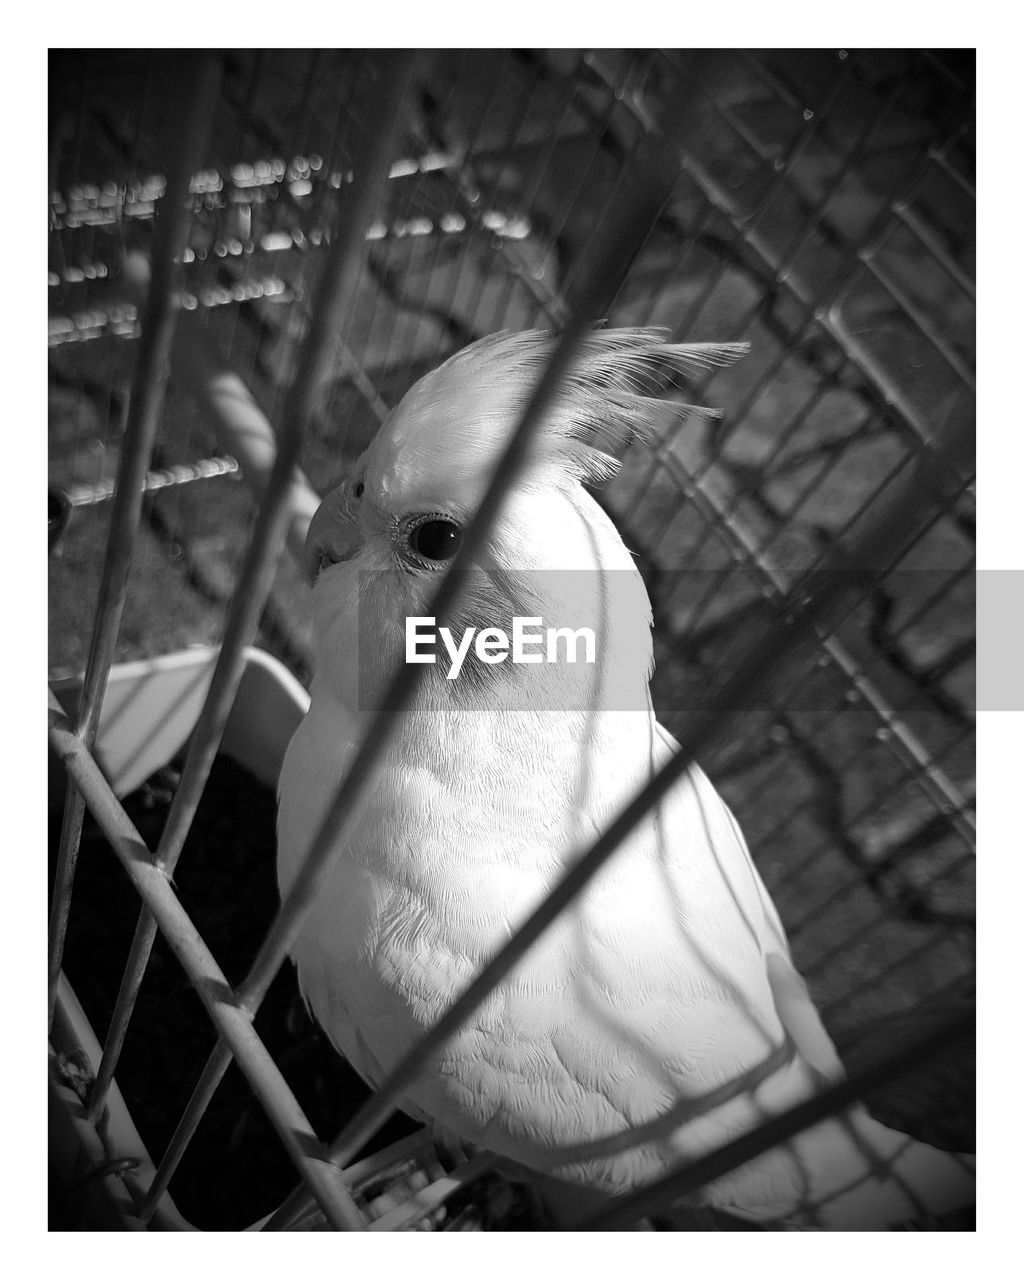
[793, 1004]
[730, 849]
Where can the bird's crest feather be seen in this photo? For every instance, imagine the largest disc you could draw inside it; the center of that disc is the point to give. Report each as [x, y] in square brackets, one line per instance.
[613, 393]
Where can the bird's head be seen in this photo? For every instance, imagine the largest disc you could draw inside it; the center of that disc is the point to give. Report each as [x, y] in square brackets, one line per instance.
[383, 537]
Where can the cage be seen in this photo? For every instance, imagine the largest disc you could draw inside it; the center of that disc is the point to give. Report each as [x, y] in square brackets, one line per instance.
[209, 215]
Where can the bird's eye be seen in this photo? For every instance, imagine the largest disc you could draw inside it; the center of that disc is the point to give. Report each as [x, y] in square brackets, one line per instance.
[436, 539]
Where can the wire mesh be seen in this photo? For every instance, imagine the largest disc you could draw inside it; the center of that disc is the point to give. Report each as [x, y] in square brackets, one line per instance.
[819, 205]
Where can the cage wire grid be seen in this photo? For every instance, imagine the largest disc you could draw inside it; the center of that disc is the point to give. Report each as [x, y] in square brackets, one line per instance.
[818, 204]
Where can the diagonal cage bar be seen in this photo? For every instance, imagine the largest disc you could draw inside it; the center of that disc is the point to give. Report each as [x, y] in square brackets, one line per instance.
[221, 1002]
[268, 537]
[149, 383]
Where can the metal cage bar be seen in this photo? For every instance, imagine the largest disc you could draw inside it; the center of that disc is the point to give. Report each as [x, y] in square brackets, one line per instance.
[268, 537]
[229, 1016]
[149, 384]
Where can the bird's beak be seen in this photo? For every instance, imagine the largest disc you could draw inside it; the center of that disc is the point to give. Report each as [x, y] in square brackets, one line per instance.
[333, 536]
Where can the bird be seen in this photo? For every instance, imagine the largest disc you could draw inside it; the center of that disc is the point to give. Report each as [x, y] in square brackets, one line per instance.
[661, 1015]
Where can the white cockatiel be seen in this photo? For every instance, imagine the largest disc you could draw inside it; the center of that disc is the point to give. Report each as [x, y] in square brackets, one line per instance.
[660, 1015]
